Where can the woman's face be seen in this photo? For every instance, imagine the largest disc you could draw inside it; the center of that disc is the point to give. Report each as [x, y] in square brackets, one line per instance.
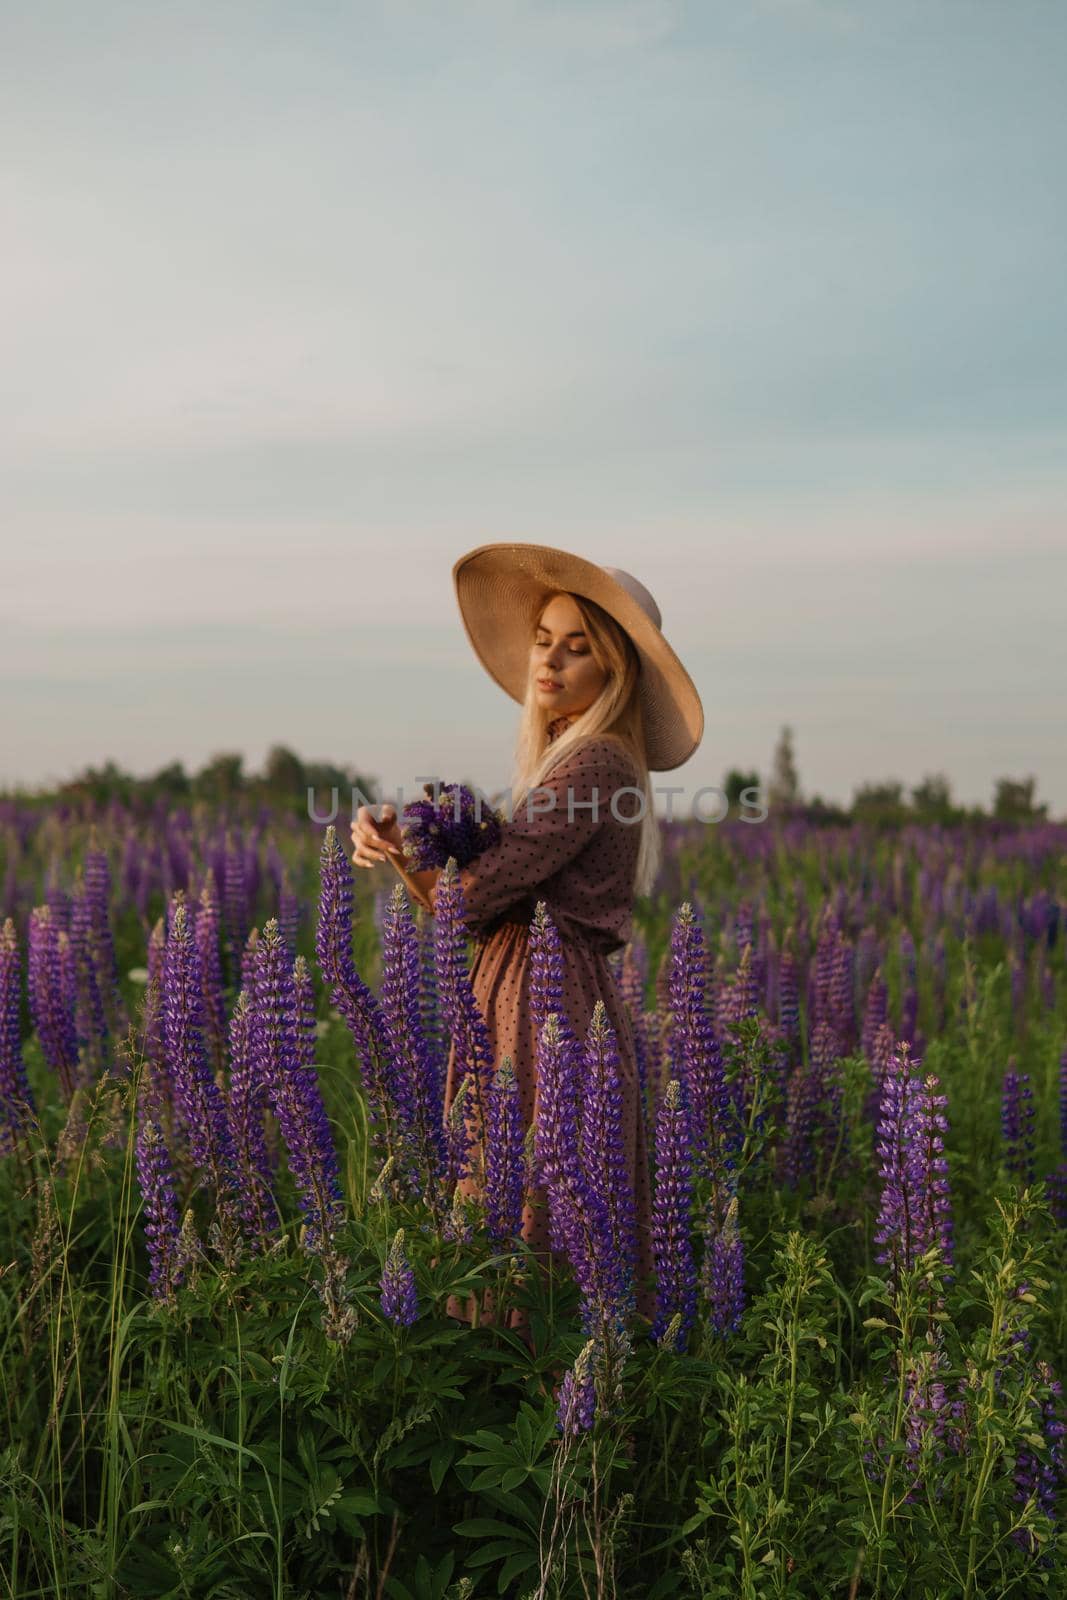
[566, 678]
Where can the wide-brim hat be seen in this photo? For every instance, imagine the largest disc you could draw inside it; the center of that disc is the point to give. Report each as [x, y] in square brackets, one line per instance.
[502, 588]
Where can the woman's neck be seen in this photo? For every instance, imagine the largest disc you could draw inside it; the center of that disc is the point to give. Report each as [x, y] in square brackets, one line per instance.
[557, 726]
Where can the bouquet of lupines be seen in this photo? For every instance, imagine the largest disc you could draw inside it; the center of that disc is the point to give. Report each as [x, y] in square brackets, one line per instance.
[455, 823]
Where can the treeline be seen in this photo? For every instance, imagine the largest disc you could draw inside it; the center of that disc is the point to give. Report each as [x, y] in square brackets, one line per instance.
[286, 778]
[282, 784]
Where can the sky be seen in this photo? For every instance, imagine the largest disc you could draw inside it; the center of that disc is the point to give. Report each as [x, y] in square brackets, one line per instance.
[761, 301]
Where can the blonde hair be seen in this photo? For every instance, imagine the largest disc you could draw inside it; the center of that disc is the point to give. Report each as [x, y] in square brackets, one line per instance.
[615, 713]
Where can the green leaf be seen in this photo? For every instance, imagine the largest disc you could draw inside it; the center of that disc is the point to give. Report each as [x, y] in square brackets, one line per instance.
[440, 1460]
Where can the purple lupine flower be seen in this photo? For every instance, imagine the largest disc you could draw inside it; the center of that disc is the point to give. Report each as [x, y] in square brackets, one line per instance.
[458, 824]
[89, 1021]
[351, 996]
[206, 935]
[1063, 1102]
[928, 1414]
[289, 909]
[416, 1087]
[914, 1217]
[696, 1060]
[429, 1004]
[235, 902]
[466, 1024]
[199, 1097]
[788, 998]
[1057, 1191]
[98, 894]
[52, 999]
[842, 998]
[293, 1089]
[162, 1222]
[631, 983]
[894, 1232]
[17, 1109]
[822, 971]
[744, 991]
[676, 1288]
[1017, 1124]
[576, 1398]
[931, 1216]
[579, 1221]
[1042, 1477]
[801, 1102]
[153, 1044]
[247, 1104]
[875, 1015]
[505, 1180]
[400, 1302]
[723, 1277]
[546, 968]
[601, 1148]
[250, 961]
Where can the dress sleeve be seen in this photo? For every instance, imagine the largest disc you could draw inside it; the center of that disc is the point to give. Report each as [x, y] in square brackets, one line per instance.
[537, 842]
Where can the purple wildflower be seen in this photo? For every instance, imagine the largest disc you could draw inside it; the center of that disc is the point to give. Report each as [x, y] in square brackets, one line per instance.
[466, 1025]
[97, 877]
[416, 1087]
[89, 1021]
[247, 1104]
[17, 1109]
[235, 901]
[671, 1243]
[723, 1278]
[162, 1224]
[696, 1060]
[351, 996]
[1017, 1124]
[293, 1087]
[1042, 1477]
[206, 935]
[199, 1096]
[400, 1302]
[580, 1220]
[602, 1153]
[576, 1399]
[457, 825]
[505, 1170]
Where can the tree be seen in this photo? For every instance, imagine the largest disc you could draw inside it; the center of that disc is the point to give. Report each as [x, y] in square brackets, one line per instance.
[736, 782]
[1013, 801]
[879, 803]
[783, 791]
[222, 778]
[931, 800]
[284, 772]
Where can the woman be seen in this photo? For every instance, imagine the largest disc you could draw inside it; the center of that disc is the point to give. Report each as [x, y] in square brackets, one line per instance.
[604, 700]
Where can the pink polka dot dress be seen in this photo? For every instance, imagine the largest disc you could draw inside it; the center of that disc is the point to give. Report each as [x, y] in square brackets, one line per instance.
[583, 868]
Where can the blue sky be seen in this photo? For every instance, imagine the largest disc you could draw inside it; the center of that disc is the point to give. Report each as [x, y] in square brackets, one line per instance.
[762, 301]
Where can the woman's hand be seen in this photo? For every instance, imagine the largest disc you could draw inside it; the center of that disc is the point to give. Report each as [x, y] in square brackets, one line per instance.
[375, 841]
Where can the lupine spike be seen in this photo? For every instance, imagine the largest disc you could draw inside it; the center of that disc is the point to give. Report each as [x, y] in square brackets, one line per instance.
[400, 1302]
[505, 1177]
[672, 1205]
[199, 1097]
[160, 1213]
[17, 1109]
[293, 1088]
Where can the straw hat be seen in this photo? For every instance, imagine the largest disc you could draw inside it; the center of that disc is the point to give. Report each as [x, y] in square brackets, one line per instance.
[501, 589]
